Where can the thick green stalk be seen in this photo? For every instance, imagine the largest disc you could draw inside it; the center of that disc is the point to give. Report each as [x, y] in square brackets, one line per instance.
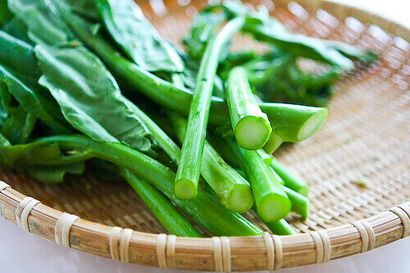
[271, 201]
[294, 123]
[232, 189]
[189, 167]
[204, 209]
[281, 227]
[250, 125]
[273, 143]
[300, 203]
[291, 180]
[162, 92]
[170, 218]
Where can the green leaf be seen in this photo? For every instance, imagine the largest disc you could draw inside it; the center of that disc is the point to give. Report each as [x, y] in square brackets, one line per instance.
[19, 59]
[353, 52]
[5, 14]
[5, 99]
[19, 73]
[90, 98]
[4, 141]
[55, 174]
[279, 79]
[137, 37]
[45, 162]
[267, 29]
[43, 26]
[16, 125]
[20, 156]
[85, 8]
[19, 126]
[17, 28]
[203, 27]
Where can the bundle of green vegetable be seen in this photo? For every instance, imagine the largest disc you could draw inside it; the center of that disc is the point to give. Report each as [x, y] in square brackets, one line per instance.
[91, 83]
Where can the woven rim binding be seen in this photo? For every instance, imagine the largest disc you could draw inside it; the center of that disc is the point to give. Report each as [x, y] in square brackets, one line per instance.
[217, 253]
[268, 252]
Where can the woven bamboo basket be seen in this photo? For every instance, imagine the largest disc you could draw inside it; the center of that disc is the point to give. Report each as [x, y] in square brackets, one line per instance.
[366, 136]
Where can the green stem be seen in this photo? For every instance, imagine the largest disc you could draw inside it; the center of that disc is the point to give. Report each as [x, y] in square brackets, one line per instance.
[232, 189]
[281, 227]
[161, 207]
[352, 52]
[250, 125]
[163, 140]
[204, 209]
[186, 182]
[300, 203]
[271, 201]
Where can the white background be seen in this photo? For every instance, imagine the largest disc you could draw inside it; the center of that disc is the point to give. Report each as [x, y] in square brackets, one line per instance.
[22, 252]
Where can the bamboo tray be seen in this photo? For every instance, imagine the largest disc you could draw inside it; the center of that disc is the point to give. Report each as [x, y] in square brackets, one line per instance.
[366, 136]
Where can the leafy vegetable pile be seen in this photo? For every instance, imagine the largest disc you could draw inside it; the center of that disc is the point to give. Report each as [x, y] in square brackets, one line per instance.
[88, 83]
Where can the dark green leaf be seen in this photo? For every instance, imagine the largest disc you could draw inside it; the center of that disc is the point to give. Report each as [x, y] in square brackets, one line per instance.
[19, 73]
[85, 8]
[203, 27]
[267, 29]
[5, 14]
[19, 59]
[20, 156]
[17, 28]
[45, 162]
[16, 125]
[4, 141]
[279, 79]
[137, 37]
[353, 52]
[55, 174]
[90, 98]
[43, 26]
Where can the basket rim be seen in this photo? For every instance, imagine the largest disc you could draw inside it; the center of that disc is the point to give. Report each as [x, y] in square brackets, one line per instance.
[268, 252]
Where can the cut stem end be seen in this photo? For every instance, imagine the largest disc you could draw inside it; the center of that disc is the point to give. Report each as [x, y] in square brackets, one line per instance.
[252, 132]
[273, 207]
[185, 189]
[313, 124]
[240, 199]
